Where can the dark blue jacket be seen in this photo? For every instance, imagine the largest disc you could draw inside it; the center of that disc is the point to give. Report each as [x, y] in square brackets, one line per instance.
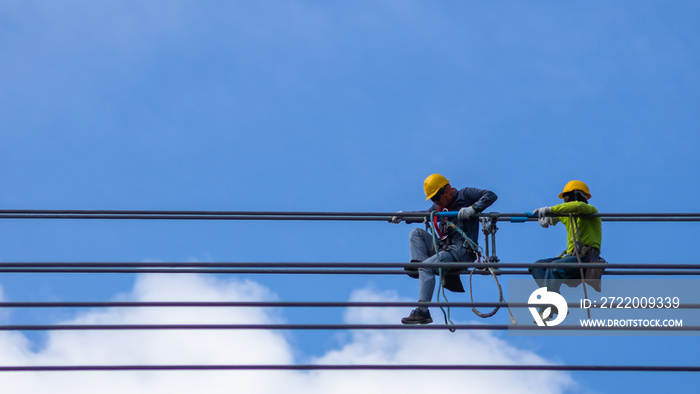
[479, 199]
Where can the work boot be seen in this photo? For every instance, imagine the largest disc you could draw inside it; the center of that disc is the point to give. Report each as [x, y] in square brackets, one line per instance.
[417, 317]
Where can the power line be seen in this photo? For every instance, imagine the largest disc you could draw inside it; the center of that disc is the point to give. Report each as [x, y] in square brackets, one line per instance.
[283, 304]
[301, 272]
[454, 265]
[355, 367]
[257, 304]
[501, 327]
[323, 268]
[286, 215]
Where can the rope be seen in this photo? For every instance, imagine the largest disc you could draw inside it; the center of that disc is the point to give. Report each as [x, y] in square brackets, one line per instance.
[478, 250]
[468, 243]
[577, 249]
[441, 289]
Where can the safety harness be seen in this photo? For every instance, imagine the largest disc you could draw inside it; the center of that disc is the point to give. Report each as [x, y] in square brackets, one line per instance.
[489, 228]
[584, 250]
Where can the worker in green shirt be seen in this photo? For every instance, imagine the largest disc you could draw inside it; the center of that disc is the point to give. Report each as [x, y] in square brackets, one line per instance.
[584, 235]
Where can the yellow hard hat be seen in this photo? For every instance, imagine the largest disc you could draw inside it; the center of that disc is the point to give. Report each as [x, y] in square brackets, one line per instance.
[576, 185]
[433, 184]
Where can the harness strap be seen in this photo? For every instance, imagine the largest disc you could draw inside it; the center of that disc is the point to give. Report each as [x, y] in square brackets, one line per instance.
[441, 288]
[578, 249]
[434, 221]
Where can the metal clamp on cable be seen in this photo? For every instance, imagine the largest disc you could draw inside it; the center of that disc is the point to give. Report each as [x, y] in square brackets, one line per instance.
[488, 226]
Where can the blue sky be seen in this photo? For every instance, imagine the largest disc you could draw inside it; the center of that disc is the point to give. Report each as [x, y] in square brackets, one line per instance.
[343, 106]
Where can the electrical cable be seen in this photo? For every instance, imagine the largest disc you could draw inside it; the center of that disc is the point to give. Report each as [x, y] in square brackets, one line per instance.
[281, 304]
[355, 367]
[495, 327]
[669, 269]
[455, 265]
[332, 216]
[318, 268]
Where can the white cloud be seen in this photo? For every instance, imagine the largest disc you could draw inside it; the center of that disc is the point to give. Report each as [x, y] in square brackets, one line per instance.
[430, 347]
[258, 347]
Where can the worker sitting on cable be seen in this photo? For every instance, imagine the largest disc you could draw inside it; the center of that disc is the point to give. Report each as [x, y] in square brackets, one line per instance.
[449, 238]
[584, 235]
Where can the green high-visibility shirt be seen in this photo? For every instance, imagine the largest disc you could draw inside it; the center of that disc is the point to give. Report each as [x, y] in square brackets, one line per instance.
[590, 230]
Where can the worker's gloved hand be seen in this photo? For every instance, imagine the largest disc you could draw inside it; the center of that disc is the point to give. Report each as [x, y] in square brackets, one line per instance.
[545, 221]
[396, 219]
[466, 213]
